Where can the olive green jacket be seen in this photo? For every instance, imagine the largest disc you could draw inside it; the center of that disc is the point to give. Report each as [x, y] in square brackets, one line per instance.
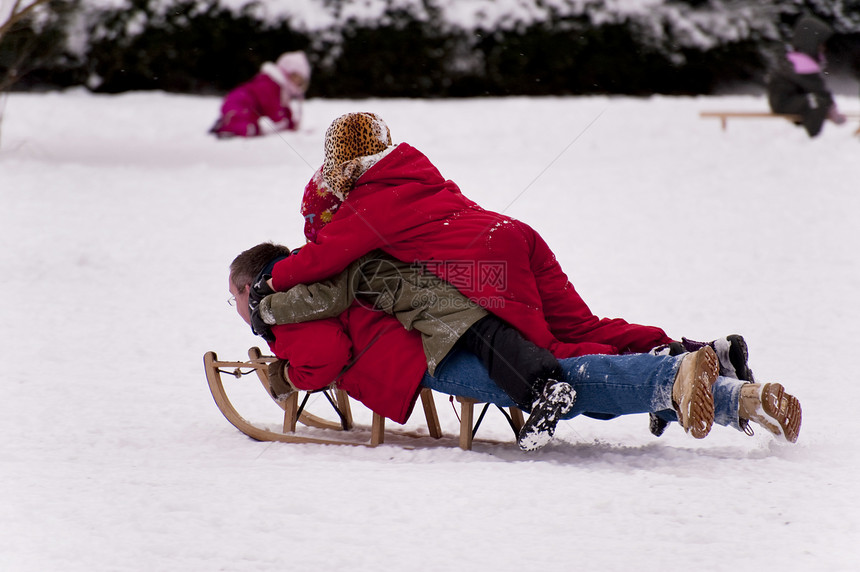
[419, 300]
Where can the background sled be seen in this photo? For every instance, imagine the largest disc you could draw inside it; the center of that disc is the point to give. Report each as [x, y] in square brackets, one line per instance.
[724, 116]
[348, 433]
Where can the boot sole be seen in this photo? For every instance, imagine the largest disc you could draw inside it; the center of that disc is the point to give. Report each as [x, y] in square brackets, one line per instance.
[781, 412]
[696, 409]
[539, 428]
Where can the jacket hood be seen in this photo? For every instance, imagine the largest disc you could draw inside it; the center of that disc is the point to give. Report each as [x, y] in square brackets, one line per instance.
[353, 143]
[400, 165]
[809, 34]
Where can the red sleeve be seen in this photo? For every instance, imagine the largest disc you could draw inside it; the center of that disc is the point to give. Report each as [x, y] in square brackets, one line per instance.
[348, 237]
[317, 351]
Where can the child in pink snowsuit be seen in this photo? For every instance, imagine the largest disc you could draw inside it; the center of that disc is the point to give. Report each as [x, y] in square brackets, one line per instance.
[270, 94]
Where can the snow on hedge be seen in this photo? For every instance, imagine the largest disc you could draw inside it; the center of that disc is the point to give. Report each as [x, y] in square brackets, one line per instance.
[660, 22]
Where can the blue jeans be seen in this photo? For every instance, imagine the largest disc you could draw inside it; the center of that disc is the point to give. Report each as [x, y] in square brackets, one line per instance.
[606, 386]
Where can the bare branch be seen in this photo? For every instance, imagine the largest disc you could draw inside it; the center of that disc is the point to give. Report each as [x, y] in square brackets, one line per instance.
[18, 12]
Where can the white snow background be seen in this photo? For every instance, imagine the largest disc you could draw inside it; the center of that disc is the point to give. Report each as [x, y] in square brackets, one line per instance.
[120, 216]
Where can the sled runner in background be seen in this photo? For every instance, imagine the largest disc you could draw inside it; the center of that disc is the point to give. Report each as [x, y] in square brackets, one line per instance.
[343, 431]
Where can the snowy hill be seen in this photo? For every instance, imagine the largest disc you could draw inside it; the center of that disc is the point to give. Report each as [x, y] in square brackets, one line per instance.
[120, 216]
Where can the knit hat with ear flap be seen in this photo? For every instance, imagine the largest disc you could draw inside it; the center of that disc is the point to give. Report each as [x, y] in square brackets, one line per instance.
[295, 62]
[353, 144]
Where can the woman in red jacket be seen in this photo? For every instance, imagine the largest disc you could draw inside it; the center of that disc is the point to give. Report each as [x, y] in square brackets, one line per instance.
[394, 199]
[320, 205]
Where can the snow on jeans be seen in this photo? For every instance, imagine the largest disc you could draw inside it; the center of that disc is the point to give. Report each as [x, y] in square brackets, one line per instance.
[606, 386]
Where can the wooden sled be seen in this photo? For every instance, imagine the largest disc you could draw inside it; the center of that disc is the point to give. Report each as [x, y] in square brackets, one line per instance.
[349, 433]
[724, 116]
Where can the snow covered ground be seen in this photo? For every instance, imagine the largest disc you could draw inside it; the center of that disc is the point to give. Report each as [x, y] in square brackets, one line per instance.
[120, 216]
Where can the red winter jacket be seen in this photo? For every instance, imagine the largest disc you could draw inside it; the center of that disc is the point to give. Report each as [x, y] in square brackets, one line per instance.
[385, 363]
[405, 207]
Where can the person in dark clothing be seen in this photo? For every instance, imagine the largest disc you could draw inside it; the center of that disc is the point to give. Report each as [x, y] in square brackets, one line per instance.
[797, 86]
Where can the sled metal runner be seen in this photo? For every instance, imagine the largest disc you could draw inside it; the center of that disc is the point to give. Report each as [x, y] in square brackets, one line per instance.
[347, 433]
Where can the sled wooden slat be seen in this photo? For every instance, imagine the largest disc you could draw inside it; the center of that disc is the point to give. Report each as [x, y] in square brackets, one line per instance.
[430, 413]
[291, 408]
[517, 416]
[377, 430]
[343, 405]
[724, 116]
[467, 421]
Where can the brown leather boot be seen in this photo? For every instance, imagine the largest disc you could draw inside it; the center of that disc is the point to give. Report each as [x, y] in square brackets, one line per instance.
[279, 383]
[771, 407]
[692, 397]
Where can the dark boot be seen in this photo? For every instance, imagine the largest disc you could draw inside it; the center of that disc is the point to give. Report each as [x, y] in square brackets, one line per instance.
[732, 352]
[554, 402]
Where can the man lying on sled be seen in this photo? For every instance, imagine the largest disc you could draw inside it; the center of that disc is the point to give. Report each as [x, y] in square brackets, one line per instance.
[368, 353]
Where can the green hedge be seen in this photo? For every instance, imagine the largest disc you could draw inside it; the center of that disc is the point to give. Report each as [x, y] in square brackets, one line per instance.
[197, 46]
[194, 48]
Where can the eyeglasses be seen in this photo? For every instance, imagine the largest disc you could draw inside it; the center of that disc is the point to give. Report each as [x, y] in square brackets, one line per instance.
[231, 301]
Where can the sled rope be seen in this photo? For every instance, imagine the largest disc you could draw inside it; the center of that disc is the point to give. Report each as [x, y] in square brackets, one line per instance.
[237, 373]
[344, 422]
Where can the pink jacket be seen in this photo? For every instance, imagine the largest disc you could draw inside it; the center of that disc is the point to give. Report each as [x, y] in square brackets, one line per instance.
[267, 94]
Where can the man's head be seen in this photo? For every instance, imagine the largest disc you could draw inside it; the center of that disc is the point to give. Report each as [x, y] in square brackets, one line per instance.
[349, 138]
[246, 267]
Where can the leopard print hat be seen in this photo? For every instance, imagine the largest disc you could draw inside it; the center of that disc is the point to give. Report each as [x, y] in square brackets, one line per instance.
[353, 144]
